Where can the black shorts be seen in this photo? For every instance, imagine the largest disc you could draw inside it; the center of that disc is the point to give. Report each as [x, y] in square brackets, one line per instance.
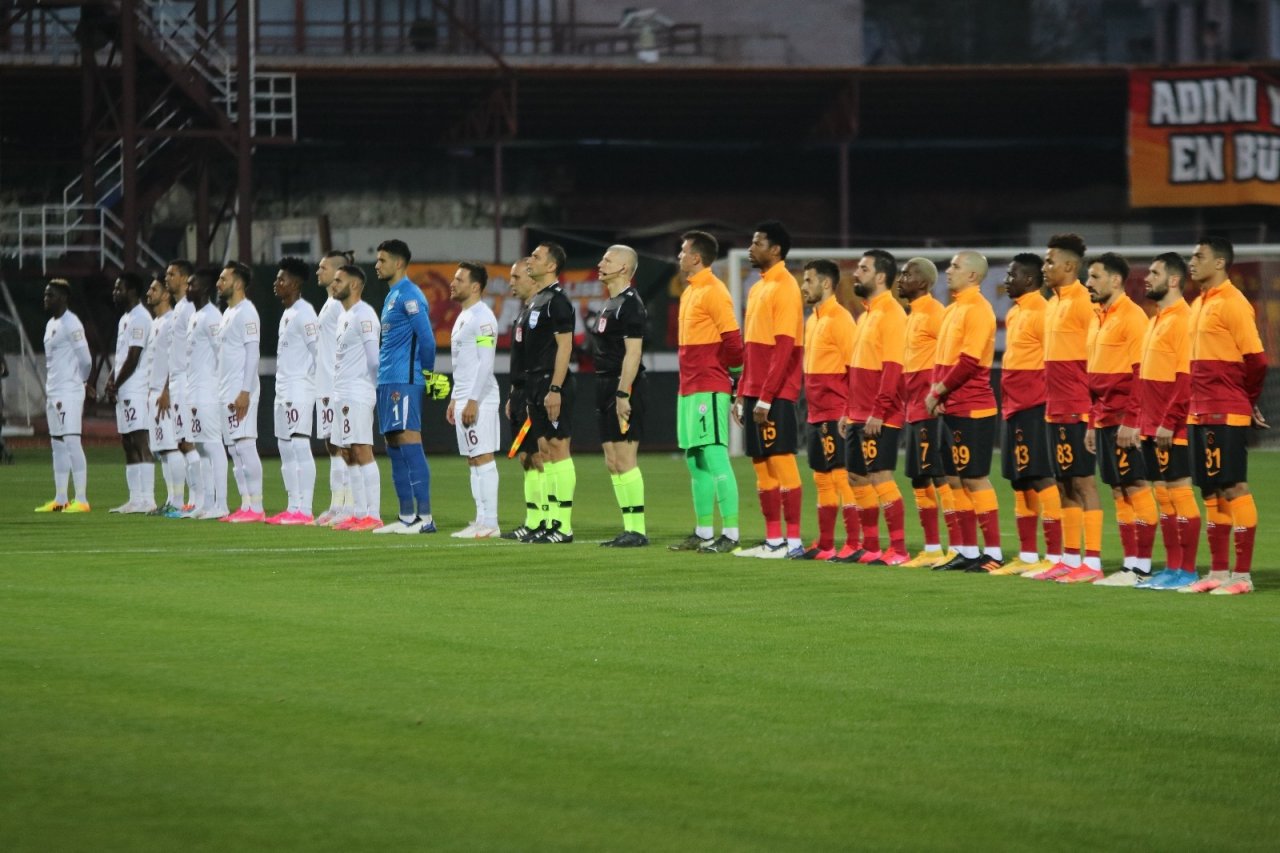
[1166, 465]
[1118, 466]
[607, 409]
[777, 436]
[520, 411]
[1219, 457]
[542, 425]
[863, 455]
[924, 449]
[1025, 449]
[1067, 451]
[825, 446]
[973, 440]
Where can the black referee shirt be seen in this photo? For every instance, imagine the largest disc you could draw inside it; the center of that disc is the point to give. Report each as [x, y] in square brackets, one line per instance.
[550, 313]
[624, 316]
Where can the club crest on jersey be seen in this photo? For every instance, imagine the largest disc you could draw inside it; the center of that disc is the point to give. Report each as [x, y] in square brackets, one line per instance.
[924, 432]
[1062, 433]
[346, 410]
[958, 436]
[395, 397]
[1208, 438]
[702, 409]
[519, 334]
[58, 405]
[1017, 435]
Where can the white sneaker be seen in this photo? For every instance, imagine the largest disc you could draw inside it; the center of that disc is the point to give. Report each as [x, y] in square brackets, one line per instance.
[124, 508]
[477, 531]
[764, 551]
[401, 527]
[141, 509]
[338, 517]
[212, 514]
[1124, 577]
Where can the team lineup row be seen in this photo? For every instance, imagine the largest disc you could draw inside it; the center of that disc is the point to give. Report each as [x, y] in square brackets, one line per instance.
[1089, 383]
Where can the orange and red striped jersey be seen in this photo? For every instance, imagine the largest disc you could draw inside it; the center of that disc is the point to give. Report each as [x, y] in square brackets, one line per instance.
[1227, 364]
[920, 354]
[1115, 350]
[966, 348]
[876, 366]
[1164, 377]
[774, 326]
[1022, 383]
[1066, 335]
[709, 338]
[828, 347]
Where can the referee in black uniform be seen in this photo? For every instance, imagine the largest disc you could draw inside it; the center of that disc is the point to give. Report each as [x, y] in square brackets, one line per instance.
[535, 487]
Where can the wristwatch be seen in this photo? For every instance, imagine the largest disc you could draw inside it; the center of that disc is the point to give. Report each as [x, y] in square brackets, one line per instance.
[621, 395]
[554, 389]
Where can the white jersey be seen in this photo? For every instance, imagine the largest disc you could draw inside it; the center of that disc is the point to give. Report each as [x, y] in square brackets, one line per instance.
[159, 350]
[326, 345]
[240, 329]
[134, 330]
[473, 347]
[66, 356]
[295, 351]
[351, 378]
[181, 314]
[202, 355]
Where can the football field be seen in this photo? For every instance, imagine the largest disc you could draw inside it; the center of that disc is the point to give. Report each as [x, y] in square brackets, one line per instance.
[182, 685]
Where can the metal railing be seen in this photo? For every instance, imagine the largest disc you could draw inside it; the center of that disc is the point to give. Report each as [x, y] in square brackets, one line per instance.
[52, 232]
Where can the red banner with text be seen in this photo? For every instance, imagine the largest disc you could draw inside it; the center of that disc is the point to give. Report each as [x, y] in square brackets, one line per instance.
[1203, 137]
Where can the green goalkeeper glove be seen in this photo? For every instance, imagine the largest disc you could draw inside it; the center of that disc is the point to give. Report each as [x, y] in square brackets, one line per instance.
[437, 385]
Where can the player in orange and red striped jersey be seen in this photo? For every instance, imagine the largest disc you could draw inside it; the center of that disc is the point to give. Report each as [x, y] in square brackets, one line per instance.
[1164, 390]
[1227, 371]
[770, 387]
[1068, 402]
[828, 347]
[1115, 352]
[874, 412]
[926, 466]
[1027, 464]
[961, 391]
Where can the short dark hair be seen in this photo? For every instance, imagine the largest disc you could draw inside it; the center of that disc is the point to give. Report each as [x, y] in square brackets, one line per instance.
[703, 245]
[242, 271]
[133, 283]
[1072, 243]
[1173, 265]
[398, 248]
[183, 266]
[1220, 246]
[297, 268]
[208, 276]
[1032, 262]
[777, 235]
[884, 262]
[347, 256]
[353, 271]
[478, 273]
[557, 253]
[1112, 263]
[825, 268]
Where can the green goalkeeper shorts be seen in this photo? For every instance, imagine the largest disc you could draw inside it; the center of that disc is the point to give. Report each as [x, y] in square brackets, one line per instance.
[703, 419]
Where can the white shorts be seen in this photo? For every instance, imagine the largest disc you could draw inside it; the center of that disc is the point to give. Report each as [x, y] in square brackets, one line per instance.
[352, 423]
[205, 424]
[180, 418]
[483, 436]
[324, 417]
[293, 417]
[164, 436]
[65, 413]
[132, 414]
[234, 428]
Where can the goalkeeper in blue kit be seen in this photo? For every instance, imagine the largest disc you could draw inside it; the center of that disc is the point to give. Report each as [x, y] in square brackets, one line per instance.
[406, 361]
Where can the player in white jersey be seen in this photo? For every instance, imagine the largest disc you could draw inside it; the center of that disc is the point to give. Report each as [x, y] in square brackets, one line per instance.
[239, 391]
[205, 422]
[127, 388]
[67, 361]
[355, 374]
[326, 351]
[174, 397]
[163, 439]
[295, 392]
[473, 408]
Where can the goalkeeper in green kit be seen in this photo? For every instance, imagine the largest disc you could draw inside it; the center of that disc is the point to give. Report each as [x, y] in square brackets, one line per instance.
[406, 361]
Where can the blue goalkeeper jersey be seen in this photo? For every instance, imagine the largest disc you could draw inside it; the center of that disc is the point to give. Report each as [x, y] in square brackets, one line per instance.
[408, 344]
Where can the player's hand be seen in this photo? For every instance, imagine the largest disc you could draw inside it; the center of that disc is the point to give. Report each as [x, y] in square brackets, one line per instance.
[1259, 422]
[470, 413]
[506, 410]
[163, 403]
[872, 427]
[760, 414]
[552, 404]
[932, 404]
[1164, 438]
[736, 411]
[1127, 437]
[90, 393]
[241, 405]
[624, 414]
[448, 414]
[1091, 440]
[437, 385]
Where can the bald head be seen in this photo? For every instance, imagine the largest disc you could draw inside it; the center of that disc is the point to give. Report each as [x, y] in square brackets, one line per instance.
[967, 269]
[626, 255]
[618, 266]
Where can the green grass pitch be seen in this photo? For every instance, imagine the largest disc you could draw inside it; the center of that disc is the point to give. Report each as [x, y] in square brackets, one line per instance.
[171, 685]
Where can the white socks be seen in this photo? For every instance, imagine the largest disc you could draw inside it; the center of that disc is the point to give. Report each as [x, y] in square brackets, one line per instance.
[61, 470]
[79, 466]
[484, 488]
[372, 488]
[195, 479]
[141, 478]
[288, 472]
[306, 465]
[215, 486]
[339, 484]
[250, 470]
